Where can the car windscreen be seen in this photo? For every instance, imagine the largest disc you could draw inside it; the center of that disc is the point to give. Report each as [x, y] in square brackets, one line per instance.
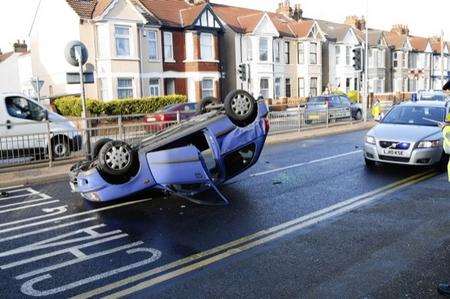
[432, 97]
[415, 115]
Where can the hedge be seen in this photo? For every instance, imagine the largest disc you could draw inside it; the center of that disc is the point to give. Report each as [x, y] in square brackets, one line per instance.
[71, 105]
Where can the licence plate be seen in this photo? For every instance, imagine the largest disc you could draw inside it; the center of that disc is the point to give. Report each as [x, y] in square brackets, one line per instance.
[313, 117]
[393, 152]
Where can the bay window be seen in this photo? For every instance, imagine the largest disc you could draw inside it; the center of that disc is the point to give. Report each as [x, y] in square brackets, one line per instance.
[207, 88]
[168, 46]
[122, 37]
[264, 88]
[263, 49]
[206, 46]
[124, 88]
[154, 87]
[152, 45]
[313, 53]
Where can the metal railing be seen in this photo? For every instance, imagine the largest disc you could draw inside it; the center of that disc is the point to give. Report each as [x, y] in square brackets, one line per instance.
[53, 141]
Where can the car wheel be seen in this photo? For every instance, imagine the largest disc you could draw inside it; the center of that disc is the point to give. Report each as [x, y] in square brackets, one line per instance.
[117, 158]
[369, 163]
[201, 108]
[358, 115]
[60, 147]
[98, 146]
[241, 108]
[442, 165]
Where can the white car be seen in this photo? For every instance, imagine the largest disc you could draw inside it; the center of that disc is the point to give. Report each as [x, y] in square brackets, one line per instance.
[410, 134]
[23, 128]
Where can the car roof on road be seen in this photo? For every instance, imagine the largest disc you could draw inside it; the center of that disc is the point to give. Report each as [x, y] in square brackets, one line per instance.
[425, 104]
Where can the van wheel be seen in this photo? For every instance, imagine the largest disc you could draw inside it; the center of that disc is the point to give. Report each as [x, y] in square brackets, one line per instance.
[241, 108]
[117, 158]
[98, 146]
[60, 147]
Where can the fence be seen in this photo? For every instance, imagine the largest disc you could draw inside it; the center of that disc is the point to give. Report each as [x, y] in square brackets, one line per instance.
[50, 142]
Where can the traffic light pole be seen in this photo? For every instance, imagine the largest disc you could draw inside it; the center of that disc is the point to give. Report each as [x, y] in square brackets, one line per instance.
[366, 76]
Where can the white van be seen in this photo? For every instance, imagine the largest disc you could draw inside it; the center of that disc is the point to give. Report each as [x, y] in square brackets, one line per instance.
[23, 128]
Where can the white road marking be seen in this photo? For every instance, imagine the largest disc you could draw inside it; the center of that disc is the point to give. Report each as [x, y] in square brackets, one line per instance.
[28, 287]
[10, 187]
[30, 193]
[67, 216]
[29, 206]
[47, 229]
[305, 163]
[52, 212]
[258, 238]
[43, 197]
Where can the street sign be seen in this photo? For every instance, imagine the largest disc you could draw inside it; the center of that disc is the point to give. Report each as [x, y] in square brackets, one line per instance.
[37, 85]
[74, 78]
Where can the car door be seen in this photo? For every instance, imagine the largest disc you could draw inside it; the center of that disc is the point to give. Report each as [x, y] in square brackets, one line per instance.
[346, 106]
[334, 107]
[23, 125]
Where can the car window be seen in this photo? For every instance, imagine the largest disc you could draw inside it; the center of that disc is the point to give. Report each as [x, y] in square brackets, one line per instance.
[335, 102]
[239, 160]
[345, 101]
[415, 115]
[22, 108]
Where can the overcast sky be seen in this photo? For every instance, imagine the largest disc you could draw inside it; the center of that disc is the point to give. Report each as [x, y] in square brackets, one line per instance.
[424, 17]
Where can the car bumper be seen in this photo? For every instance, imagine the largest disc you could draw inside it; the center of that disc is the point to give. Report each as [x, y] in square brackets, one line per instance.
[418, 157]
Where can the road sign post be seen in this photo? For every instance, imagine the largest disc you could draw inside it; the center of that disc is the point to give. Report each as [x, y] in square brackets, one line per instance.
[37, 86]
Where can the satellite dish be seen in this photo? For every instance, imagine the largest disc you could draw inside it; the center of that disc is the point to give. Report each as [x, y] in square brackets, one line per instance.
[70, 53]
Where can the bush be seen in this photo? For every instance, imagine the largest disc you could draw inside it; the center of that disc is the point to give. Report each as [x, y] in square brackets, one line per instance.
[71, 106]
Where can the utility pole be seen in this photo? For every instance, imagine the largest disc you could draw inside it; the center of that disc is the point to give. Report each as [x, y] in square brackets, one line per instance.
[366, 66]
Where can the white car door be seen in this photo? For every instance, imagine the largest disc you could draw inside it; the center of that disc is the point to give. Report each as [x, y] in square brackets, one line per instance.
[23, 125]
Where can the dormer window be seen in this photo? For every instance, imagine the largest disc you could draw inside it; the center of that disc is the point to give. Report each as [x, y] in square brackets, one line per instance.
[206, 46]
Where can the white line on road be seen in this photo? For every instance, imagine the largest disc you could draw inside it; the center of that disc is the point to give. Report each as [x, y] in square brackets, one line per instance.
[10, 187]
[29, 206]
[231, 248]
[305, 163]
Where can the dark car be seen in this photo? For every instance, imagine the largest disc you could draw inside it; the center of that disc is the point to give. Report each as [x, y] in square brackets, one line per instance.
[186, 159]
[167, 116]
[338, 107]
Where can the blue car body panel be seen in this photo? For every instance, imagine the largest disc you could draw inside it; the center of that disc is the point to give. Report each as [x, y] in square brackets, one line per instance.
[180, 165]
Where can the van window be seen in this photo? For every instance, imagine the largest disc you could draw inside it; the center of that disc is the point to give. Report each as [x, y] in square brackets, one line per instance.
[22, 108]
[239, 160]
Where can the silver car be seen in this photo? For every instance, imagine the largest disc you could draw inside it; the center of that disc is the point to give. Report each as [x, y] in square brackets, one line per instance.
[410, 133]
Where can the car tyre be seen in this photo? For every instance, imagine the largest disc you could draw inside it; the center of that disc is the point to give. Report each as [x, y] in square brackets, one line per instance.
[241, 108]
[201, 108]
[369, 163]
[117, 158]
[98, 146]
[358, 115]
[60, 147]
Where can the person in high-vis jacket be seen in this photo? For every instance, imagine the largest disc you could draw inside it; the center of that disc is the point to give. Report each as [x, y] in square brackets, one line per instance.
[376, 110]
[444, 288]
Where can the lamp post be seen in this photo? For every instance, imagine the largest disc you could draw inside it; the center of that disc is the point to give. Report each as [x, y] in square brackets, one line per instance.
[366, 66]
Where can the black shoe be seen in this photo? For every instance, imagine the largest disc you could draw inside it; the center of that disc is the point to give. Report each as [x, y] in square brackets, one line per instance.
[444, 289]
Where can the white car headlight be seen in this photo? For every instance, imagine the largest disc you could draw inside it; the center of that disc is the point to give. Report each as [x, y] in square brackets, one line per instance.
[370, 140]
[429, 144]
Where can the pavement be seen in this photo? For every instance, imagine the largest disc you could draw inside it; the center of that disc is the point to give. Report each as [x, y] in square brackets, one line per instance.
[42, 174]
[308, 220]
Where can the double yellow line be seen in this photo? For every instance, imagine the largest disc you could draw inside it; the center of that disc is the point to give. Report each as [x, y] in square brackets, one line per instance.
[221, 252]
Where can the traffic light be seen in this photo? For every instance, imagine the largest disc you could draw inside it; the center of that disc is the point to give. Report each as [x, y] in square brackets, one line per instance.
[242, 72]
[357, 59]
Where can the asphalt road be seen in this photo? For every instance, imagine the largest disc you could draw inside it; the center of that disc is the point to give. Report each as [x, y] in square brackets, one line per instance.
[309, 220]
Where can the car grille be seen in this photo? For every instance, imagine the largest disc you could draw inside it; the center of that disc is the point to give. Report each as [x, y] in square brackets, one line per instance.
[395, 145]
[394, 159]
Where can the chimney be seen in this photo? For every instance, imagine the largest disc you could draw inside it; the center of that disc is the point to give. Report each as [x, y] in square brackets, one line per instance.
[400, 29]
[298, 12]
[285, 8]
[355, 22]
[20, 47]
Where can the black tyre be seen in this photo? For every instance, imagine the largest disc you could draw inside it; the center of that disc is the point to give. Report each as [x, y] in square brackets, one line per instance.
[369, 163]
[117, 158]
[358, 115]
[60, 147]
[98, 146]
[241, 108]
[201, 108]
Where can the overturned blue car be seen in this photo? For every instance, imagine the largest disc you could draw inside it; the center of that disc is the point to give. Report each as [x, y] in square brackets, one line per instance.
[185, 160]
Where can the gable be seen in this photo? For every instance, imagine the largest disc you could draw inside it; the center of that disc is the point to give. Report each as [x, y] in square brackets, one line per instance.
[429, 49]
[314, 32]
[407, 45]
[122, 10]
[266, 27]
[350, 38]
[207, 19]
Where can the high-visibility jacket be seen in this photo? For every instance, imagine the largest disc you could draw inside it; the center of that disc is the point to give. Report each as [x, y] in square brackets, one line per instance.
[446, 135]
[376, 110]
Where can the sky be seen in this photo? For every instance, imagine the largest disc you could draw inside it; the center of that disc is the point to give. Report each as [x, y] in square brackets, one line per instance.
[424, 17]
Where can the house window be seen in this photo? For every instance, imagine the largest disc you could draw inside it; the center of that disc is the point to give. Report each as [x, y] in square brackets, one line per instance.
[288, 87]
[313, 87]
[395, 59]
[264, 88]
[207, 88]
[405, 60]
[152, 45]
[168, 46]
[170, 86]
[347, 55]
[338, 55]
[153, 87]
[124, 88]
[313, 53]
[122, 36]
[249, 49]
[277, 88]
[301, 53]
[276, 50]
[287, 53]
[206, 46]
[263, 49]
[301, 87]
